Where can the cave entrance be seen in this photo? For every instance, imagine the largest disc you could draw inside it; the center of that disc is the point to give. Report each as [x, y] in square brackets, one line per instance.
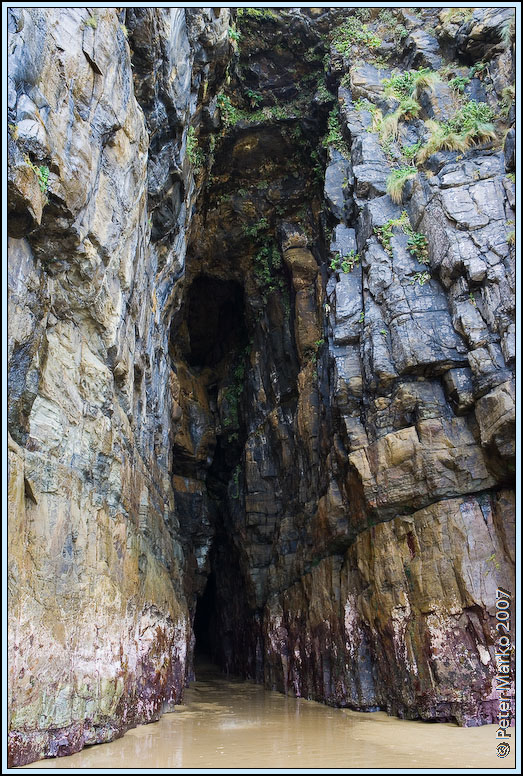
[225, 626]
[204, 623]
[215, 320]
[215, 339]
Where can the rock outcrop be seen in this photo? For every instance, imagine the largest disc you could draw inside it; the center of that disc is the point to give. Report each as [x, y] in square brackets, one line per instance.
[258, 390]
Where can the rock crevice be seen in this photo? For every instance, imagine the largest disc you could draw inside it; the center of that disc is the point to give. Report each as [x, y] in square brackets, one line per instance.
[261, 394]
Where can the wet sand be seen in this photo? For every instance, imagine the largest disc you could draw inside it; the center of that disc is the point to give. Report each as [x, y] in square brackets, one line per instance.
[232, 724]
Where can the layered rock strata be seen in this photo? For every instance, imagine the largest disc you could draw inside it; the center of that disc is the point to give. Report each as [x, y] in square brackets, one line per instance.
[252, 396]
[99, 623]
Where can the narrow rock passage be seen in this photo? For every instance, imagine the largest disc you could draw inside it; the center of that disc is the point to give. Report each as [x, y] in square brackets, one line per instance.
[261, 367]
[227, 723]
[203, 620]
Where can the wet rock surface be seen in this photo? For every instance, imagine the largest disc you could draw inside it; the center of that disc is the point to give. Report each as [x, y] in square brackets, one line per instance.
[241, 405]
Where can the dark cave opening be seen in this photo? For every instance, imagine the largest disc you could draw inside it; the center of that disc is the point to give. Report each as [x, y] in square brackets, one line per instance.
[215, 340]
[215, 320]
[225, 625]
[204, 622]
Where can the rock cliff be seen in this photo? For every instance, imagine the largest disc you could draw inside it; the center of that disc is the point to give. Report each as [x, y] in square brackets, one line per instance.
[261, 359]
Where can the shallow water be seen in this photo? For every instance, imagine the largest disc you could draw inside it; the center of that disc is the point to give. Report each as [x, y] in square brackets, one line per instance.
[232, 724]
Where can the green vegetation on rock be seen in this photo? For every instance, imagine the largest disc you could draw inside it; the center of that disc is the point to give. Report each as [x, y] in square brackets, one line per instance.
[471, 124]
[409, 152]
[353, 31]
[397, 180]
[194, 153]
[266, 263]
[257, 13]
[255, 98]
[508, 32]
[41, 172]
[229, 114]
[334, 136]
[411, 83]
[345, 262]
[508, 95]
[441, 138]
[459, 82]
[389, 125]
[479, 70]
[421, 278]
[394, 28]
[417, 243]
[267, 260]
[472, 119]
[232, 115]
[254, 230]
[456, 15]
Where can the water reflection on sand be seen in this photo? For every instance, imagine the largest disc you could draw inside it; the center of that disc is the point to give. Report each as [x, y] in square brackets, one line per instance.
[231, 724]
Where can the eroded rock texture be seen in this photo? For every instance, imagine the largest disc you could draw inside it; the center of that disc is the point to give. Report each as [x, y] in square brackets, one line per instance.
[240, 405]
[100, 626]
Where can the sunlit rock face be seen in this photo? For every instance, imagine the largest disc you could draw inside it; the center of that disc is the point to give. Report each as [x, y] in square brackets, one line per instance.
[261, 405]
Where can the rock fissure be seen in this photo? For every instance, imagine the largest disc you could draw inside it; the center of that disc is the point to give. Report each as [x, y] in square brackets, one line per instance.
[254, 416]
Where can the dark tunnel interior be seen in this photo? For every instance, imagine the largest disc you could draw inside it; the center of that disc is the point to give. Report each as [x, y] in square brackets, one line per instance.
[204, 622]
[216, 344]
[215, 320]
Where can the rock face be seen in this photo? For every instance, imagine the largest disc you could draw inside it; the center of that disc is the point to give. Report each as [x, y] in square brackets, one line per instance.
[100, 626]
[254, 402]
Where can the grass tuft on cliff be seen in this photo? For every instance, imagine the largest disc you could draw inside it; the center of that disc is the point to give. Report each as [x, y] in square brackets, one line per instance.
[411, 83]
[397, 180]
[471, 125]
[407, 109]
[441, 138]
